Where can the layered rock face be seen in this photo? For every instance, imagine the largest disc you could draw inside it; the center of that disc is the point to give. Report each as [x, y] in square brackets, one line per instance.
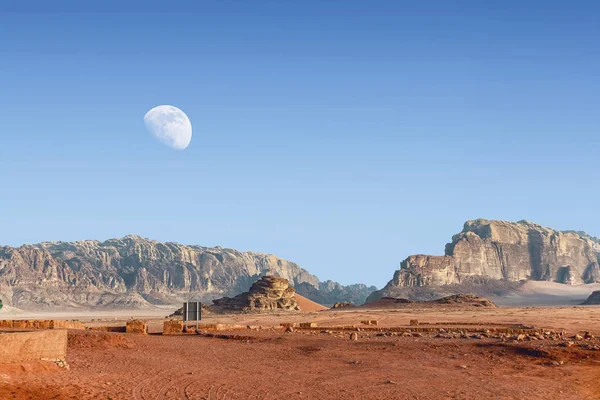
[133, 272]
[269, 293]
[498, 250]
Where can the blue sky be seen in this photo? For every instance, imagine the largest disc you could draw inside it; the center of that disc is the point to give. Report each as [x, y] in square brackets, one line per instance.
[343, 135]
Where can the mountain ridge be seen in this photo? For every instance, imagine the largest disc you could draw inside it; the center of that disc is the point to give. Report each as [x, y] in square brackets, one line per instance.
[133, 271]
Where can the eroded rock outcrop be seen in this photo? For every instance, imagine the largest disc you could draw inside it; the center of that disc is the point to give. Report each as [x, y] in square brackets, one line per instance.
[594, 299]
[460, 300]
[503, 251]
[134, 272]
[269, 293]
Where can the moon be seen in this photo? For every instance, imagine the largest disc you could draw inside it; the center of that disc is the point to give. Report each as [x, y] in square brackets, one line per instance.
[170, 126]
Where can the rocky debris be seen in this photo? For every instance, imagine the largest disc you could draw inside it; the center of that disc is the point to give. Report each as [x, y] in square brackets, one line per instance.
[353, 336]
[61, 363]
[387, 302]
[454, 301]
[502, 251]
[267, 294]
[135, 272]
[136, 326]
[370, 322]
[343, 304]
[415, 322]
[594, 299]
[466, 299]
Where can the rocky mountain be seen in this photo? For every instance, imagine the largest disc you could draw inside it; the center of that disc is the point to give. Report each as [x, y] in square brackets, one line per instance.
[328, 293]
[137, 272]
[497, 254]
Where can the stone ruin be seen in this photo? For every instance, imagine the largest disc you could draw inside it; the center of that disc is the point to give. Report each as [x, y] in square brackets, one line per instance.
[269, 293]
[136, 326]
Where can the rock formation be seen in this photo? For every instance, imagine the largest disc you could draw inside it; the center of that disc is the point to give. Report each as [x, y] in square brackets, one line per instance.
[502, 251]
[137, 272]
[343, 304]
[269, 293]
[594, 299]
[454, 301]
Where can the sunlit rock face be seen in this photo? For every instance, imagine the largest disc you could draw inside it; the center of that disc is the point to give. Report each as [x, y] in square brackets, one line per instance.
[269, 293]
[133, 272]
[505, 251]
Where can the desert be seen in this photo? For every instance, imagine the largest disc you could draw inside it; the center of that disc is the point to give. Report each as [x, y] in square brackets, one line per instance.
[510, 312]
[317, 200]
[458, 347]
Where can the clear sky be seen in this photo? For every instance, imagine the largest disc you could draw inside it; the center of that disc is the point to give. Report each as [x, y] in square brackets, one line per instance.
[342, 135]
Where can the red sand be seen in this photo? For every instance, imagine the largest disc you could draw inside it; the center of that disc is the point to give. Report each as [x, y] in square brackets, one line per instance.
[309, 305]
[274, 365]
[270, 364]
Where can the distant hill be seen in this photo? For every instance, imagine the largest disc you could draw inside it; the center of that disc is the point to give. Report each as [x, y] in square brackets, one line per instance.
[136, 272]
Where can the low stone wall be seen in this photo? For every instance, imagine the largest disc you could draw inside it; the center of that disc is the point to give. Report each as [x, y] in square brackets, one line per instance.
[173, 327]
[137, 326]
[40, 324]
[16, 347]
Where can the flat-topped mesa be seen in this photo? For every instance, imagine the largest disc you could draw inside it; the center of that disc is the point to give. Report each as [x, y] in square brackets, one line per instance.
[488, 249]
[267, 294]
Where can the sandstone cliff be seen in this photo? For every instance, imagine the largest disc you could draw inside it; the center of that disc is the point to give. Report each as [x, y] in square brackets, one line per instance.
[500, 251]
[269, 293]
[134, 272]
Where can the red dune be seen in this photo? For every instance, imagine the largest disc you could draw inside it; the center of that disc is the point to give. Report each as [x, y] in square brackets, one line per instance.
[309, 305]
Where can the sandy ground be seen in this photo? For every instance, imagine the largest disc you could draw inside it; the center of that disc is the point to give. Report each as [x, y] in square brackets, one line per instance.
[308, 305]
[534, 293]
[271, 364]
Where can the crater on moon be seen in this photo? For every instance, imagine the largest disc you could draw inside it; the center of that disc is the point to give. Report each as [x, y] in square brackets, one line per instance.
[170, 126]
